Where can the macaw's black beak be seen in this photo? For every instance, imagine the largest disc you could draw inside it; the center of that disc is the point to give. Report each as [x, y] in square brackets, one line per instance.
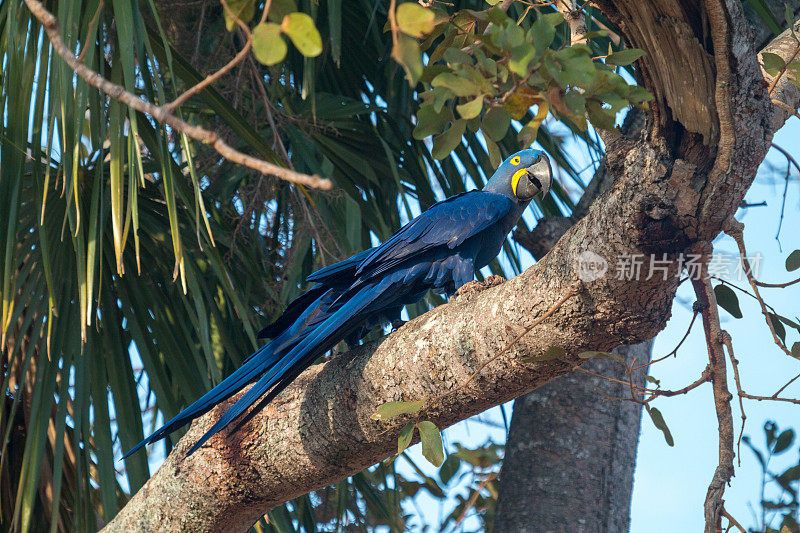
[537, 179]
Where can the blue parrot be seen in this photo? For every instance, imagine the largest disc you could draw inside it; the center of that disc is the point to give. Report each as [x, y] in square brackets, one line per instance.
[441, 249]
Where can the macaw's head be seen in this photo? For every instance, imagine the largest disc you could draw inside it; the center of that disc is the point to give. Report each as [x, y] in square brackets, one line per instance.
[522, 176]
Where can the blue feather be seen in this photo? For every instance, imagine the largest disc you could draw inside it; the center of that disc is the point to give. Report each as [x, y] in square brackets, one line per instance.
[439, 250]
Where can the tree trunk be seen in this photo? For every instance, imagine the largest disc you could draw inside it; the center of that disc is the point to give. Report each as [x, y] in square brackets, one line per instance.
[570, 453]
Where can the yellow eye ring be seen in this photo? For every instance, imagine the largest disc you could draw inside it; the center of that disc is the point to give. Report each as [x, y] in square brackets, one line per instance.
[515, 160]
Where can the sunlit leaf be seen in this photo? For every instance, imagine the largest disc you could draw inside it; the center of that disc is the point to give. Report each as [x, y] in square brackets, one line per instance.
[432, 446]
[773, 63]
[404, 439]
[471, 109]
[241, 9]
[392, 409]
[304, 34]
[415, 20]
[406, 52]
[268, 45]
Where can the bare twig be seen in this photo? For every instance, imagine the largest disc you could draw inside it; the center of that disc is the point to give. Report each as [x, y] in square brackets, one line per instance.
[675, 351]
[726, 339]
[89, 31]
[212, 78]
[786, 107]
[770, 398]
[735, 229]
[654, 393]
[733, 521]
[783, 388]
[471, 502]
[722, 396]
[790, 161]
[160, 113]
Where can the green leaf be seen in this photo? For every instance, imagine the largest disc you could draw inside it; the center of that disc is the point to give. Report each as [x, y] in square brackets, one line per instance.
[793, 70]
[496, 122]
[777, 325]
[766, 16]
[796, 349]
[241, 9]
[521, 57]
[773, 63]
[432, 447]
[268, 45]
[407, 53]
[653, 380]
[392, 409]
[471, 109]
[429, 122]
[415, 20]
[460, 85]
[624, 57]
[783, 441]
[658, 421]
[449, 468]
[727, 300]
[495, 157]
[404, 439]
[793, 261]
[304, 34]
[554, 352]
[446, 142]
[542, 33]
[610, 355]
[791, 474]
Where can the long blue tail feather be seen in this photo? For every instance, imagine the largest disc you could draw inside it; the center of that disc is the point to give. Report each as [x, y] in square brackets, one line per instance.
[320, 340]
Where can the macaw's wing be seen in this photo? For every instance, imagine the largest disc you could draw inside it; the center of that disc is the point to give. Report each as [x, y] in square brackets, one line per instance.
[340, 273]
[337, 274]
[292, 312]
[447, 223]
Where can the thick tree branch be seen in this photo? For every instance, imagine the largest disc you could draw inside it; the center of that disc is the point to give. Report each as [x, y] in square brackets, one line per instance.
[722, 397]
[664, 199]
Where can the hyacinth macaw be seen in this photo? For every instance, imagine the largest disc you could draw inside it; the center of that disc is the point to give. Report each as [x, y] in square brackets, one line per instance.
[440, 249]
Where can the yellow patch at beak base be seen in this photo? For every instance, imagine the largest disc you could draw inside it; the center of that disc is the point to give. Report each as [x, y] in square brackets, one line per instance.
[515, 179]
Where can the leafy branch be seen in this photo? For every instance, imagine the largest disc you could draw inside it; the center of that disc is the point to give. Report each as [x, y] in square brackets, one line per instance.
[164, 113]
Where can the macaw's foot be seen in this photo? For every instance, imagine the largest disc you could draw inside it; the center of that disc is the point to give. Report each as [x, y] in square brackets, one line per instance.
[397, 324]
[474, 287]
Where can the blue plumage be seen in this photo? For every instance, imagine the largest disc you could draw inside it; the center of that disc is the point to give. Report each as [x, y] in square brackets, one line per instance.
[441, 249]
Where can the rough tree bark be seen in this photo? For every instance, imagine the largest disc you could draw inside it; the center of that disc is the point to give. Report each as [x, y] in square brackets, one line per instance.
[570, 455]
[674, 187]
